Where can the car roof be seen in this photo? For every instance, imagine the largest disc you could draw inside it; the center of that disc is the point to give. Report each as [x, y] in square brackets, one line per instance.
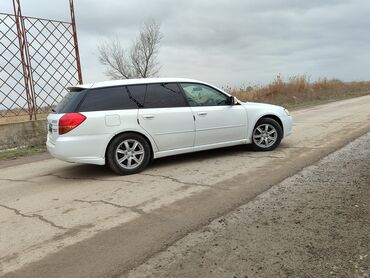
[134, 82]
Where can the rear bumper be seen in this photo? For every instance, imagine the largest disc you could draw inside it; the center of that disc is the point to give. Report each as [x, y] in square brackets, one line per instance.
[75, 150]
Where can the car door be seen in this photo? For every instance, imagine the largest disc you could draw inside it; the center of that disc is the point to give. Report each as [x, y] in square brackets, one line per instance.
[167, 117]
[216, 121]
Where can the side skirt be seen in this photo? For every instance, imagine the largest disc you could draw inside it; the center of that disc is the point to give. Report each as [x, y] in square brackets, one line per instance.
[201, 148]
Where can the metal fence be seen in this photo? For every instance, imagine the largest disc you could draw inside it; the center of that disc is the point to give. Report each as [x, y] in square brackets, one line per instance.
[39, 59]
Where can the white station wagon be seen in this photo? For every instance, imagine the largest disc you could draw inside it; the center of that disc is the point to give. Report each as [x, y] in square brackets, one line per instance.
[126, 123]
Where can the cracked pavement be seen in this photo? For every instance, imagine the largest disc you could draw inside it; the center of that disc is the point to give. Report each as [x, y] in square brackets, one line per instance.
[83, 221]
[313, 224]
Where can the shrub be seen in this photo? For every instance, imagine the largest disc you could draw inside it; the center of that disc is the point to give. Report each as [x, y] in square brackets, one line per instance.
[299, 90]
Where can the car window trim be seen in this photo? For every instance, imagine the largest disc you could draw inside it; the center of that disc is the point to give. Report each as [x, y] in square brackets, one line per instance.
[75, 104]
[155, 83]
[183, 93]
[105, 87]
[125, 87]
[139, 105]
[198, 83]
[81, 101]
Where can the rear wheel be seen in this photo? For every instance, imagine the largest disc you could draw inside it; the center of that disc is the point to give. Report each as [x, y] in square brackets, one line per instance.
[128, 153]
[267, 135]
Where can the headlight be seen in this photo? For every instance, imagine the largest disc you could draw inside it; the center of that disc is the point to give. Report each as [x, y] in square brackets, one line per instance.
[286, 111]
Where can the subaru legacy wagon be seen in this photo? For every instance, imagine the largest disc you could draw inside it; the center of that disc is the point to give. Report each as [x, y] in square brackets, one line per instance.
[126, 123]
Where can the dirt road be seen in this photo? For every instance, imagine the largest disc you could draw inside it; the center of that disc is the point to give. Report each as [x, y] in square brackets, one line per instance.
[82, 221]
[313, 224]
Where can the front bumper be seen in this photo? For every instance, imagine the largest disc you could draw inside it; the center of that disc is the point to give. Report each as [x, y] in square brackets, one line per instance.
[287, 125]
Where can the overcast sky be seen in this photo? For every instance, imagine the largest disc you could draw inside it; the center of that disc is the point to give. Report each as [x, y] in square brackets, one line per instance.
[240, 42]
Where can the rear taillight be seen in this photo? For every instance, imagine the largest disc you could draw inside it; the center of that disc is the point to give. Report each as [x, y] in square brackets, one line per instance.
[69, 121]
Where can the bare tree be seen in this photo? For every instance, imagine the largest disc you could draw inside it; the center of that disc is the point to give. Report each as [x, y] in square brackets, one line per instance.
[140, 61]
[114, 57]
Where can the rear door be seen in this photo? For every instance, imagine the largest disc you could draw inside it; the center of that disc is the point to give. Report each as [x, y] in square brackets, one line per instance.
[216, 121]
[166, 116]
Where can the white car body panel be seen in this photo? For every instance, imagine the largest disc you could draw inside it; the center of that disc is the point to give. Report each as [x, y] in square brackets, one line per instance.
[88, 142]
[258, 110]
[170, 131]
[219, 124]
[171, 128]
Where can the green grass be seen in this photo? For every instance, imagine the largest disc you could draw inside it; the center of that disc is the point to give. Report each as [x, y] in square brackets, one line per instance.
[24, 151]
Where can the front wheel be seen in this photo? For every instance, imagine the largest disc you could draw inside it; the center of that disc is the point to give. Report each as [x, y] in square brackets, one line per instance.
[266, 135]
[128, 153]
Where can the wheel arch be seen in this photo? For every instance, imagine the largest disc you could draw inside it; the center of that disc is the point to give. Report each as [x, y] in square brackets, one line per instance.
[270, 116]
[129, 131]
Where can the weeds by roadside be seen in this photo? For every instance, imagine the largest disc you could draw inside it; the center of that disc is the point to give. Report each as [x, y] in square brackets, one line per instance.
[294, 92]
[19, 152]
[298, 91]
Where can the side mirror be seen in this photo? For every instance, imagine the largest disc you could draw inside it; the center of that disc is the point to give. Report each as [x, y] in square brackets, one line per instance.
[232, 100]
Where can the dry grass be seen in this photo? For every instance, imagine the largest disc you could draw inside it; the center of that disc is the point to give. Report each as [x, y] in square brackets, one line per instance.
[293, 92]
[14, 116]
[299, 91]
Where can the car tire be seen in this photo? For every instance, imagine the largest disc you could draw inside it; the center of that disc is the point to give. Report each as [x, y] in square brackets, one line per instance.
[128, 153]
[267, 135]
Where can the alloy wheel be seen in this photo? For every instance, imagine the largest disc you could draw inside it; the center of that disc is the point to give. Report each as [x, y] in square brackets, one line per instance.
[265, 135]
[130, 154]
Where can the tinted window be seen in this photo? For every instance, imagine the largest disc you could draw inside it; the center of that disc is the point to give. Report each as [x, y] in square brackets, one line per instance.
[112, 98]
[202, 95]
[137, 93]
[70, 102]
[164, 95]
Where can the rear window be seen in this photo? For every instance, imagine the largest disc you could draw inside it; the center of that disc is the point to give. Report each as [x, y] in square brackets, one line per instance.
[70, 102]
[111, 98]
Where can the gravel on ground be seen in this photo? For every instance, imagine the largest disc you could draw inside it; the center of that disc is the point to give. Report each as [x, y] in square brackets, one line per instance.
[313, 224]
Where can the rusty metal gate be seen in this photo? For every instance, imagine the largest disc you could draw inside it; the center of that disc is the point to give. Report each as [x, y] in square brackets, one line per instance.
[39, 59]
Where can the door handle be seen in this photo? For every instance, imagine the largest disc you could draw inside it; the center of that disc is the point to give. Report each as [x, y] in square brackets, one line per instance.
[202, 113]
[148, 117]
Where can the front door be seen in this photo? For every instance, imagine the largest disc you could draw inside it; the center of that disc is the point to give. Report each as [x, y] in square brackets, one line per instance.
[216, 121]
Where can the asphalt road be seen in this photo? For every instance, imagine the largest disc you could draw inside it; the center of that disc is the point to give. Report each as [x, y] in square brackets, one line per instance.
[73, 220]
[315, 223]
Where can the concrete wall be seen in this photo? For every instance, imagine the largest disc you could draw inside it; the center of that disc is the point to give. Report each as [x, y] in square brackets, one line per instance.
[28, 133]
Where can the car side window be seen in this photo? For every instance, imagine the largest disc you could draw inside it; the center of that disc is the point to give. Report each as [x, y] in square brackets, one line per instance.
[137, 94]
[110, 98]
[164, 95]
[202, 95]
[71, 101]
